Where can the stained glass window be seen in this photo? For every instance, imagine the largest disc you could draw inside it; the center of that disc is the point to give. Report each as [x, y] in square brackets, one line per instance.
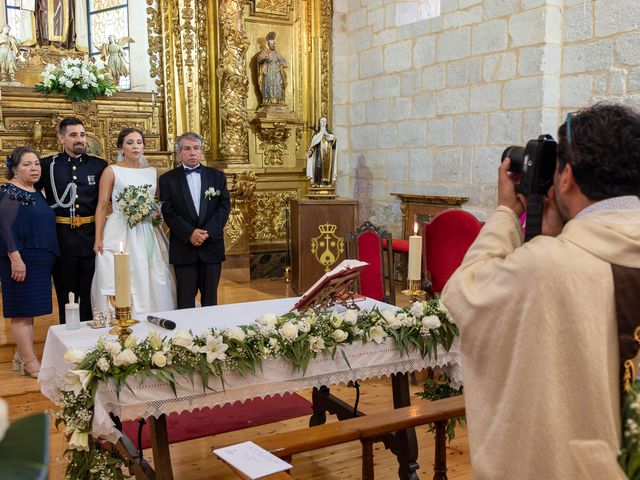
[109, 18]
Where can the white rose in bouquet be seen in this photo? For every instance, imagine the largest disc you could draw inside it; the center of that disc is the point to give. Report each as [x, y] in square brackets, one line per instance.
[339, 335]
[73, 355]
[124, 358]
[182, 338]
[289, 331]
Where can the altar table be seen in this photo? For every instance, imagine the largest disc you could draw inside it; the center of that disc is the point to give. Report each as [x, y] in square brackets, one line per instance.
[153, 398]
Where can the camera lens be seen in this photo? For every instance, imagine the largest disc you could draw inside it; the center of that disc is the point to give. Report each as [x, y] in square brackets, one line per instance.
[516, 154]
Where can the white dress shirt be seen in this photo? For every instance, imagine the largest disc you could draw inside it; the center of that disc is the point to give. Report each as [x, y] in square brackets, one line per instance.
[195, 182]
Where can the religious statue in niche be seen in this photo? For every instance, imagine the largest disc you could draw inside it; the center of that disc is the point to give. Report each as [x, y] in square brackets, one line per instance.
[9, 55]
[272, 73]
[113, 54]
[55, 22]
[322, 162]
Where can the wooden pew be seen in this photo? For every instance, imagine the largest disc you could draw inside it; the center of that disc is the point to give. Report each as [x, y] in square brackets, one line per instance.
[367, 429]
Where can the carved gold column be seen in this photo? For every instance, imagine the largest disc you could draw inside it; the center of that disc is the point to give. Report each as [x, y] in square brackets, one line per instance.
[234, 82]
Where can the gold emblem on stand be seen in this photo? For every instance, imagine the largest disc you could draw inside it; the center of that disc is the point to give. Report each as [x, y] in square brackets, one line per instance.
[327, 247]
[631, 364]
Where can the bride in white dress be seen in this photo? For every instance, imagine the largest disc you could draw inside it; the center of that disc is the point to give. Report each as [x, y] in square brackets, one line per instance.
[152, 279]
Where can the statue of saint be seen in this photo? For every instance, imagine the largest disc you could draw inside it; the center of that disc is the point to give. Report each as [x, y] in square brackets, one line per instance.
[55, 23]
[272, 72]
[113, 54]
[9, 53]
[322, 161]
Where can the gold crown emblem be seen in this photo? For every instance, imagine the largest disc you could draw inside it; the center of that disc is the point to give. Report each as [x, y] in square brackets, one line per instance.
[327, 228]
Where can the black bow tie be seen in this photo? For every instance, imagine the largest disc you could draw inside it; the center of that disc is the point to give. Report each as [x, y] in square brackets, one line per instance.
[197, 169]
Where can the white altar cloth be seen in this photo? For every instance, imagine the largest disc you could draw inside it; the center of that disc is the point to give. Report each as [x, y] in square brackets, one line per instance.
[154, 397]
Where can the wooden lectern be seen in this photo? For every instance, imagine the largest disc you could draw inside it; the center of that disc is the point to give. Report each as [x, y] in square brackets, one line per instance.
[318, 231]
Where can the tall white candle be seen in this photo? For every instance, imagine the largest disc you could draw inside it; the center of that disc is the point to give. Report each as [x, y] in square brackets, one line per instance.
[122, 278]
[414, 271]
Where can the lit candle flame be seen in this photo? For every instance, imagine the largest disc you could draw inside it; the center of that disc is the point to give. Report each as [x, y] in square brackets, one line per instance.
[415, 228]
[121, 248]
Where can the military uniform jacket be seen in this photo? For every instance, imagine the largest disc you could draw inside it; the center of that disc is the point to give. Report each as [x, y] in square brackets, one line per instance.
[85, 172]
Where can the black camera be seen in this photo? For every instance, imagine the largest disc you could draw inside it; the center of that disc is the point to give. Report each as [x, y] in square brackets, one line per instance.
[535, 163]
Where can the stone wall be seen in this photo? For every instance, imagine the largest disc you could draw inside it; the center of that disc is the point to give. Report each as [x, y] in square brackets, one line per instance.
[428, 107]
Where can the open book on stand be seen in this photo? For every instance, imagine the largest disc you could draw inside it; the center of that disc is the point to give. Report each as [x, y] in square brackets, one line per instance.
[335, 286]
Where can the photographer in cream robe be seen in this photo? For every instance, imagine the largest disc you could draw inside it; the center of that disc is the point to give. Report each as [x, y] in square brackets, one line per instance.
[538, 320]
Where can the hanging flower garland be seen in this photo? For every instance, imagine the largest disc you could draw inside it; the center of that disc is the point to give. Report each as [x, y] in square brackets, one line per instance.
[295, 337]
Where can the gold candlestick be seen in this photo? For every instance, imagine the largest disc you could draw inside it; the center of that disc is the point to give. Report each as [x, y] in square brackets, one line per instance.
[413, 291]
[122, 322]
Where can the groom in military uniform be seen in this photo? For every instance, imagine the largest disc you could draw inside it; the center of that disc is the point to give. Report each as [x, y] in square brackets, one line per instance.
[70, 181]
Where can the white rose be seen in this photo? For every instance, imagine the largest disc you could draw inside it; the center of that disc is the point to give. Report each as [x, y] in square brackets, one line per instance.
[4, 418]
[73, 355]
[304, 326]
[125, 357]
[236, 333]
[339, 335]
[289, 331]
[391, 320]
[68, 84]
[113, 348]
[131, 341]
[182, 338]
[431, 321]
[155, 340]
[268, 319]
[79, 441]
[351, 316]
[159, 359]
[417, 310]
[316, 344]
[377, 334]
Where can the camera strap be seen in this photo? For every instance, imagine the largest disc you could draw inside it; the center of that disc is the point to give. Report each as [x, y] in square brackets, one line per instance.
[535, 209]
[626, 283]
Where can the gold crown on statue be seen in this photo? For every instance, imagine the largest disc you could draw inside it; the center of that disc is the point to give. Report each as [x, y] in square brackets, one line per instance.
[327, 228]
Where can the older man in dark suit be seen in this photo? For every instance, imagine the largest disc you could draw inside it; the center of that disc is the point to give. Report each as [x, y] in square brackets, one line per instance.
[195, 206]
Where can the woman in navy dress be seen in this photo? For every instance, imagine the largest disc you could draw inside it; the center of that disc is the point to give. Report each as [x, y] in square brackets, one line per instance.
[28, 248]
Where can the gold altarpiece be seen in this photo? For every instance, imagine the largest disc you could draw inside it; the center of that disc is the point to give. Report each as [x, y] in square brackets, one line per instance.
[202, 57]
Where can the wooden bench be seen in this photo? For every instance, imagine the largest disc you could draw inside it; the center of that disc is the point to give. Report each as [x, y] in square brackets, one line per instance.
[367, 429]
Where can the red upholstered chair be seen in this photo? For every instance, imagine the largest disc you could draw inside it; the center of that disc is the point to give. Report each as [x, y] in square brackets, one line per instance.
[446, 239]
[366, 244]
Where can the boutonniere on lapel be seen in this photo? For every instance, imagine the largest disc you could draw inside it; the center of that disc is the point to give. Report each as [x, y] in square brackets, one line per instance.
[211, 192]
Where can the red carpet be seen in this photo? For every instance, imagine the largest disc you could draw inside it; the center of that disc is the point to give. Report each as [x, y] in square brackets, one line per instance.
[211, 421]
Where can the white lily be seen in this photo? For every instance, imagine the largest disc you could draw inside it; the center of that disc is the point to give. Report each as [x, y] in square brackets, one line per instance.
[214, 348]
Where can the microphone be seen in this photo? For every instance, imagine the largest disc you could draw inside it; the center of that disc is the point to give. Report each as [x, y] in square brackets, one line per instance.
[162, 322]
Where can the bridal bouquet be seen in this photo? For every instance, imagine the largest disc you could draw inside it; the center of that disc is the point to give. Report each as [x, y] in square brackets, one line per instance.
[138, 205]
[77, 79]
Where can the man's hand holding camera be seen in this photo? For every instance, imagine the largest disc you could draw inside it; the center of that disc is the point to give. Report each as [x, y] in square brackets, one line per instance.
[507, 195]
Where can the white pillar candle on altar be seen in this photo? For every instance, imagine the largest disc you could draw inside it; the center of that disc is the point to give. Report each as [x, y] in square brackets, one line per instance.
[414, 270]
[122, 278]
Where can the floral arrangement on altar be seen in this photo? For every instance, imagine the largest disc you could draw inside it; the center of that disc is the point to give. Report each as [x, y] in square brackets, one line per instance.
[138, 205]
[297, 337]
[77, 79]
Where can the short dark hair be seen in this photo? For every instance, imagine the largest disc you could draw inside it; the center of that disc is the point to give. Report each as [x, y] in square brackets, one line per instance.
[15, 159]
[602, 145]
[67, 122]
[125, 132]
[187, 136]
